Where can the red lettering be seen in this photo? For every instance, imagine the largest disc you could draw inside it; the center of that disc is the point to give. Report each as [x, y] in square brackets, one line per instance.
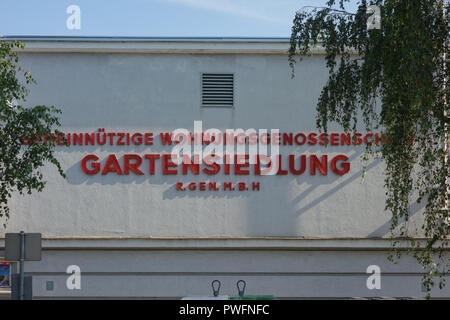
[213, 186]
[302, 164]
[112, 165]
[95, 165]
[346, 139]
[167, 164]
[287, 138]
[322, 166]
[148, 138]
[77, 139]
[357, 139]
[280, 170]
[127, 166]
[152, 158]
[209, 162]
[323, 139]
[137, 139]
[187, 163]
[121, 136]
[334, 137]
[192, 186]
[242, 186]
[298, 136]
[89, 138]
[345, 165]
[228, 185]
[366, 138]
[166, 138]
[180, 186]
[312, 140]
[238, 164]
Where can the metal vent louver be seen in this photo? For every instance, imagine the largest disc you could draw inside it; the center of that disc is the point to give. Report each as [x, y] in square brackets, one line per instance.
[217, 89]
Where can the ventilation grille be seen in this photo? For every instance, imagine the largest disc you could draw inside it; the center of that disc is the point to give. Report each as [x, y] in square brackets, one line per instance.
[217, 90]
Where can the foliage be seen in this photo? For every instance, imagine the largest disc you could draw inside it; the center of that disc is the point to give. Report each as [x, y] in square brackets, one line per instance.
[21, 161]
[392, 79]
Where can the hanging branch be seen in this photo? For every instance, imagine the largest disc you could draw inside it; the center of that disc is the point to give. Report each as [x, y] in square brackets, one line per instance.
[392, 78]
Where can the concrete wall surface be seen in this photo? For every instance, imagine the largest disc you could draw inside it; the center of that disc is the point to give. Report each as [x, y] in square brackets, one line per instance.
[136, 236]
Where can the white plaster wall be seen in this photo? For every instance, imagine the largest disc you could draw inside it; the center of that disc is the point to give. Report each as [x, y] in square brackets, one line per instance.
[137, 237]
[161, 92]
[156, 274]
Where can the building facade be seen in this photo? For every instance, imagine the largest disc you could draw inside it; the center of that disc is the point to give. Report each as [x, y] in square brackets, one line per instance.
[139, 226]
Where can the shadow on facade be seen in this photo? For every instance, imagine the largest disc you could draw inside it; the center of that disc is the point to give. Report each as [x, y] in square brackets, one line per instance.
[271, 211]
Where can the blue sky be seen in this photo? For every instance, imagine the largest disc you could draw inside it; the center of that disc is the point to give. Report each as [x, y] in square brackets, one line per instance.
[159, 18]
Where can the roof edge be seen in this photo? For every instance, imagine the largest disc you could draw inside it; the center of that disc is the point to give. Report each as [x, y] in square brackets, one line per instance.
[159, 45]
[144, 39]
